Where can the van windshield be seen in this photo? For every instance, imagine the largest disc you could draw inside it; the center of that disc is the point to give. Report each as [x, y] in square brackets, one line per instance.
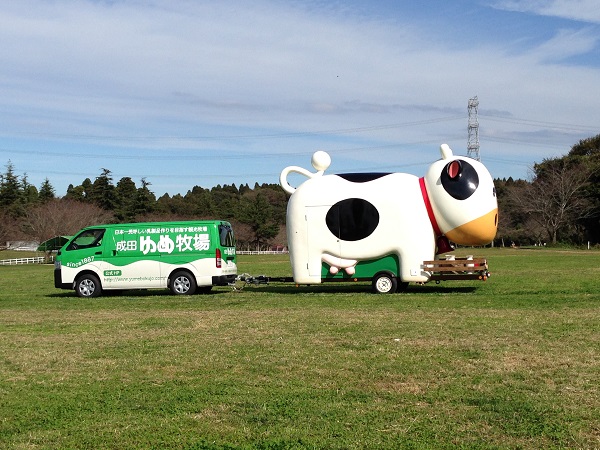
[87, 239]
[226, 237]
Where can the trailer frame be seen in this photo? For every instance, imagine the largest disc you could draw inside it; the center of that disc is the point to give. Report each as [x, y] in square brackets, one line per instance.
[452, 268]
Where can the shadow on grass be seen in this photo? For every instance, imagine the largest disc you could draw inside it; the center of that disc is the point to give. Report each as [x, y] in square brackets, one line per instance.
[353, 288]
[278, 288]
[137, 293]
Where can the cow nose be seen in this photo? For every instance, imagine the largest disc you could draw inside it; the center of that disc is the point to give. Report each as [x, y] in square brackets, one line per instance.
[480, 231]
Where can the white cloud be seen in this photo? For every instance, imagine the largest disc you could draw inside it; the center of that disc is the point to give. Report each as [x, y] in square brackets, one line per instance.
[228, 62]
[133, 74]
[566, 44]
[221, 56]
[580, 10]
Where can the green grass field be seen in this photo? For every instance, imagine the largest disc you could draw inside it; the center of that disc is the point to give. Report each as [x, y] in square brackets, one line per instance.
[510, 363]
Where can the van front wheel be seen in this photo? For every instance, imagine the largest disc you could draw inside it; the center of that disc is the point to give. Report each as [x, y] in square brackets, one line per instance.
[88, 286]
[182, 283]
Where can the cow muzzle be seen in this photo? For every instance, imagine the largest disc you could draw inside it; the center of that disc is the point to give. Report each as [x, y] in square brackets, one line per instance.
[480, 231]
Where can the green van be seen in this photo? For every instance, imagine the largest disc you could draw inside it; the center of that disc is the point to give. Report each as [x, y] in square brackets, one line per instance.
[185, 257]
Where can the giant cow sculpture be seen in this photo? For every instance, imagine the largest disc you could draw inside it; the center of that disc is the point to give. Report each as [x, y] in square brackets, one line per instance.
[365, 224]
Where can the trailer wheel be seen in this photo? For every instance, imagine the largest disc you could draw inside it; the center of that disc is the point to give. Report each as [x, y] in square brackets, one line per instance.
[384, 283]
[88, 286]
[182, 283]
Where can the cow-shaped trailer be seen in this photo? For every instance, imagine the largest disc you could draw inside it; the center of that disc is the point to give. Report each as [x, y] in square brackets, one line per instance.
[386, 227]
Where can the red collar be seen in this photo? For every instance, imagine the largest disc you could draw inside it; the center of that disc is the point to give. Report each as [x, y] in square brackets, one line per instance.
[442, 243]
[434, 223]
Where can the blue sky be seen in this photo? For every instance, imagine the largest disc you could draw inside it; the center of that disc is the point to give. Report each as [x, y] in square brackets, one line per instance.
[185, 93]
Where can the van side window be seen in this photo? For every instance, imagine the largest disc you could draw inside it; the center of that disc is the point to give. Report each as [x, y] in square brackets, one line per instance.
[226, 237]
[87, 239]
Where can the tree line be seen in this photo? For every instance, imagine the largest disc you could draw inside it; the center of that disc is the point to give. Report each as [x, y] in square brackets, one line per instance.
[559, 203]
[27, 213]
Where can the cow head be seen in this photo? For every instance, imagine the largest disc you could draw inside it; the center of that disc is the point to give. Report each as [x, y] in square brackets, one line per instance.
[463, 199]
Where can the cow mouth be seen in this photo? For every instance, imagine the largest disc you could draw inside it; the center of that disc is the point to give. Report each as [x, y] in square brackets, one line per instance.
[480, 231]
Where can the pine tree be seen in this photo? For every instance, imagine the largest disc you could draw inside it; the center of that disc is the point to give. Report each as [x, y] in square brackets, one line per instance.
[257, 212]
[46, 192]
[103, 191]
[11, 195]
[75, 193]
[144, 199]
[29, 193]
[125, 194]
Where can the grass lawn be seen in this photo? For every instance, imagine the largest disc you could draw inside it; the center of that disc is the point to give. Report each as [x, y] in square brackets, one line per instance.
[513, 362]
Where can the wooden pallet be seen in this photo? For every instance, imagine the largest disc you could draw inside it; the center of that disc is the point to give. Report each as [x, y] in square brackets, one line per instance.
[457, 269]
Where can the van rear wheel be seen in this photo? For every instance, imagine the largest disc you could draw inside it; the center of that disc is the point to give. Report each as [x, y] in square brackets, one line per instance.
[88, 286]
[183, 283]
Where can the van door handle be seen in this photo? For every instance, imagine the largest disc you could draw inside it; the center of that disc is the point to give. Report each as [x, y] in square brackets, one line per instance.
[98, 253]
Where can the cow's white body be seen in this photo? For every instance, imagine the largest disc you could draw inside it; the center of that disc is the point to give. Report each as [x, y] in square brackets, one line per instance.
[405, 227]
[310, 242]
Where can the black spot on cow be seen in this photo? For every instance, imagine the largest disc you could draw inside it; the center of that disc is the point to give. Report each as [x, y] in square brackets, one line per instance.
[361, 177]
[352, 219]
[459, 179]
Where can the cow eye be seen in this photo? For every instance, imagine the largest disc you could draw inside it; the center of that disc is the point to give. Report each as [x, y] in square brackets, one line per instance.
[460, 179]
[453, 169]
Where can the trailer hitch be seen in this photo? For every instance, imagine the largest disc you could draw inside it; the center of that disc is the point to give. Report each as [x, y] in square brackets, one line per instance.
[247, 279]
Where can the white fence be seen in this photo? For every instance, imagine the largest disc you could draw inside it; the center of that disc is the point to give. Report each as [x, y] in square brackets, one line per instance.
[43, 259]
[33, 260]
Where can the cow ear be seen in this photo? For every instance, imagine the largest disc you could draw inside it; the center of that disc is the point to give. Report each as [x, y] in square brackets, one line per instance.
[446, 151]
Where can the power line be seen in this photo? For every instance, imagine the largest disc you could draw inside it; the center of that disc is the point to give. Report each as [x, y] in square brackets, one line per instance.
[220, 175]
[241, 136]
[543, 124]
[511, 162]
[228, 156]
[524, 142]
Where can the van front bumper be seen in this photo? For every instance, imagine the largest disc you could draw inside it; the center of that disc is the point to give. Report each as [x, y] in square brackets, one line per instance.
[58, 284]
